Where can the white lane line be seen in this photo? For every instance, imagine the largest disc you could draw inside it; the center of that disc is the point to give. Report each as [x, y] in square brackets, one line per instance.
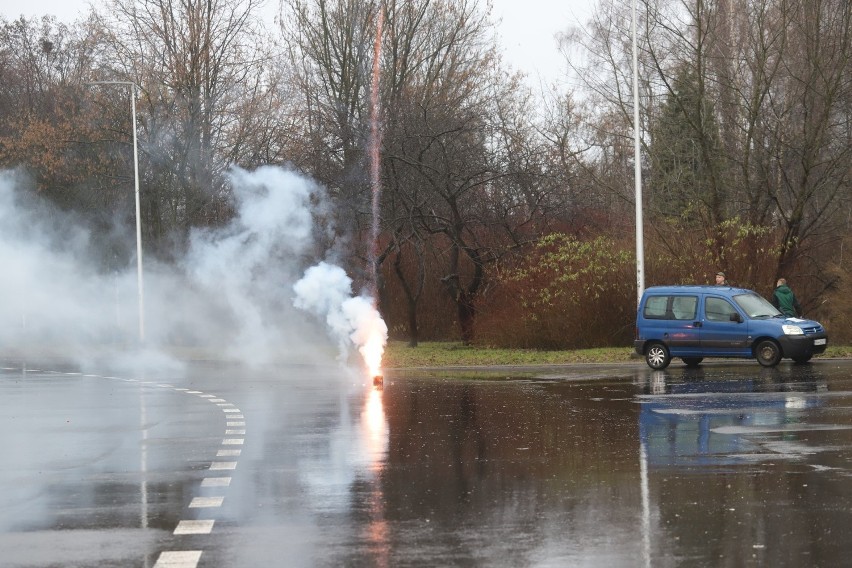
[228, 453]
[206, 502]
[191, 558]
[231, 410]
[178, 559]
[194, 527]
[224, 404]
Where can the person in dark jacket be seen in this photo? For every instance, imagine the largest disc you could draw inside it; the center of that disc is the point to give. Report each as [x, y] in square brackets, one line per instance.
[784, 299]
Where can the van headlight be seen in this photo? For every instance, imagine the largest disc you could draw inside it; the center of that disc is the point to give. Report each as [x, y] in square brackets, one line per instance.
[792, 330]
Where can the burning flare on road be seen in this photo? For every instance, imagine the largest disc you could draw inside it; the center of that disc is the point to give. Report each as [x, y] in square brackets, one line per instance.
[370, 335]
[326, 291]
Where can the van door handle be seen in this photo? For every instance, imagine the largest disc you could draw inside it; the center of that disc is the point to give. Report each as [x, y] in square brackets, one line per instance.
[696, 324]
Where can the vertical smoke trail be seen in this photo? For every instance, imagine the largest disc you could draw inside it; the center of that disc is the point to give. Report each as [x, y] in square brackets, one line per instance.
[375, 145]
[325, 290]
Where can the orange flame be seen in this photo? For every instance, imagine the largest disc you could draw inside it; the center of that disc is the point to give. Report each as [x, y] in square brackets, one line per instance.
[373, 347]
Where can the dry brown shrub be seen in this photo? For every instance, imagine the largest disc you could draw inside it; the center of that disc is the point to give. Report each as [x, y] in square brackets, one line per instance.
[565, 294]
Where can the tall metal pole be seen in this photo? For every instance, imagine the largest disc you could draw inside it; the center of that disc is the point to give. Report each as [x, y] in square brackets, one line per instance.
[139, 283]
[637, 171]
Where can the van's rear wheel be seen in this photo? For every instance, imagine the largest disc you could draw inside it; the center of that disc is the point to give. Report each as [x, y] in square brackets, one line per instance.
[657, 356]
[768, 353]
[692, 361]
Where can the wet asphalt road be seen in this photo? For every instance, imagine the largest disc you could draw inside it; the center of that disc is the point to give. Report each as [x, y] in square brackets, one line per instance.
[220, 466]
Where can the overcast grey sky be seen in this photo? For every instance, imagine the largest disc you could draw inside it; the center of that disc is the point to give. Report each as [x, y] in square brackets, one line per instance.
[528, 27]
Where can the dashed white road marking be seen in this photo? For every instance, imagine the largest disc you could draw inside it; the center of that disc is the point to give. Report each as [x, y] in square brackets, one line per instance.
[216, 482]
[205, 502]
[194, 527]
[178, 559]
[191, 558]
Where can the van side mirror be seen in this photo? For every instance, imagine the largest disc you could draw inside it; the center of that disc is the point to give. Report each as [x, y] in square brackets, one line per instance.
[736, 317]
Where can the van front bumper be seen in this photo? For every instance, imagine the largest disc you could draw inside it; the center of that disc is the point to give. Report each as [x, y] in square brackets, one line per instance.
[800, 346]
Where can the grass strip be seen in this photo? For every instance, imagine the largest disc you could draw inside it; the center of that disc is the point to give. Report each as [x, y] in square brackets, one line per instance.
[451, 354]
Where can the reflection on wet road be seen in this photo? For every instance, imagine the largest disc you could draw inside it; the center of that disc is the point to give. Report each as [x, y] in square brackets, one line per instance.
[728, 464]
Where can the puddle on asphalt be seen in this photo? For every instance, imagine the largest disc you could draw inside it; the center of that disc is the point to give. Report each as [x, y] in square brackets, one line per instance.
[591, 465]
[727, 464]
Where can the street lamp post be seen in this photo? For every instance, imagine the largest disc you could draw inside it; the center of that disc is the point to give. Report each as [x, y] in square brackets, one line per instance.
[134, 88]
[637, 170]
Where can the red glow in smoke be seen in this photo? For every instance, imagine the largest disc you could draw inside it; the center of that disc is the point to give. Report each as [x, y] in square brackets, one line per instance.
[375, 147]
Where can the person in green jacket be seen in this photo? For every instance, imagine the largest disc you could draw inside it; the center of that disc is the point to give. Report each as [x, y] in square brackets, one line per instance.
[784, 299]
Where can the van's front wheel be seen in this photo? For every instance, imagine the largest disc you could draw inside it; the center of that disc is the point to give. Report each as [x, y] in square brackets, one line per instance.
[657, 356]
[768, 353]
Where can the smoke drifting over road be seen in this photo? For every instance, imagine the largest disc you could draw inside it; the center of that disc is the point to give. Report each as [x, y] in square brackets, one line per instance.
[232, 294]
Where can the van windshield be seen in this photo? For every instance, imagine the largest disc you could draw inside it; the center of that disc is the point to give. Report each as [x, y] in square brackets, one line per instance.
[756, 306]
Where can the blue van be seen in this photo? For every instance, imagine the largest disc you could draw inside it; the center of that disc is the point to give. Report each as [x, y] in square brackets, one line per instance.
[693, 322]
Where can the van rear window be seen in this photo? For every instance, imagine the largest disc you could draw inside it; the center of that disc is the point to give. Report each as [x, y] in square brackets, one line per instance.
[670, 307]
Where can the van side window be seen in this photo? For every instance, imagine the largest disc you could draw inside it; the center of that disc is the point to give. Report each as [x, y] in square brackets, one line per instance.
[671, 307]
[655, 307]
[718, 309]
[683, 307]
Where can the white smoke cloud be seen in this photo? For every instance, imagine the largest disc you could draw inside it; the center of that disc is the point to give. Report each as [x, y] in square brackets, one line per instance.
[231, 295]
[326, 291]
[49, 291]
[249, 265]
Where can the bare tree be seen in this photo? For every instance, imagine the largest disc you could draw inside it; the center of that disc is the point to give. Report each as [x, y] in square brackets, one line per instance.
[757, 88]
[203, 67]
[330, 41]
